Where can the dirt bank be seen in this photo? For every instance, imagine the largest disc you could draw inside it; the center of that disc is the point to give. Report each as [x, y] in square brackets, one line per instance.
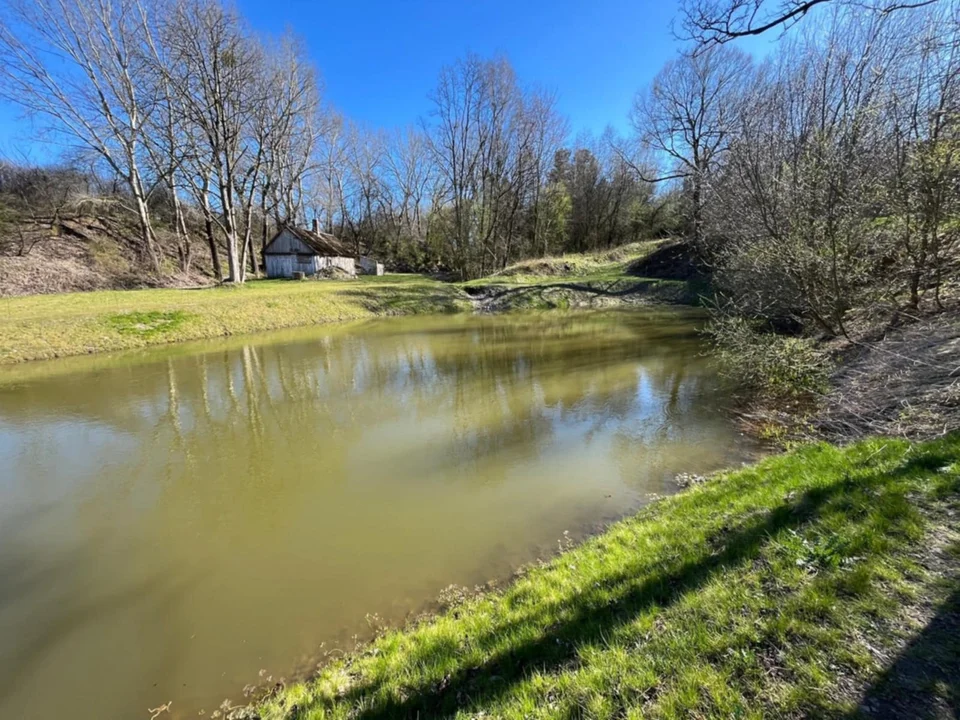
[899, 381]
[80, 255]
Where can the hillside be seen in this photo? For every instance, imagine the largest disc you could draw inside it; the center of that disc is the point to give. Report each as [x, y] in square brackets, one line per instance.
[637, 273]
[82, 253]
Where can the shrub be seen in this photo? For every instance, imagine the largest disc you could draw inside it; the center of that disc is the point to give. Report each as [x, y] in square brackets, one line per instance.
[768, 366]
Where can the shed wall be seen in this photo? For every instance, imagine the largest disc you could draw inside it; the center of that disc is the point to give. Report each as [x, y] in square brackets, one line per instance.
[287, 242]
[344, 263]
[369, 266]
[283, 266]
[280, 266]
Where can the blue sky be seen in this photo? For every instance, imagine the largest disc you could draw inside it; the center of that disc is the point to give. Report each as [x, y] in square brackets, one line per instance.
[380, 59]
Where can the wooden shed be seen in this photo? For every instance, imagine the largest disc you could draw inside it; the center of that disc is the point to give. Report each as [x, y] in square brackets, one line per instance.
[294, 249]
[369, 266]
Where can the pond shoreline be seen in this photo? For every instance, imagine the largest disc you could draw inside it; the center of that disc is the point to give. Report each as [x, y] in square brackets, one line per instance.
[310, 471]
[449, 600]
[400, 671]
[44, 327]
[822, 524]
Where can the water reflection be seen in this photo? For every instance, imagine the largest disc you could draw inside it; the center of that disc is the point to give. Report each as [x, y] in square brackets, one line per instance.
[171, 524]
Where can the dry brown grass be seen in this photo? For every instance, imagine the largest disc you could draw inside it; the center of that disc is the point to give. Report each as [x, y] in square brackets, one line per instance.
[80, 255]
[902, 381]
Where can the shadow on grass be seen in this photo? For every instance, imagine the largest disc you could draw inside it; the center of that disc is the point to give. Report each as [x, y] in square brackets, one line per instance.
[924, 680]
[558, 646]
[403, 299]
[670, 261]
[623, 289]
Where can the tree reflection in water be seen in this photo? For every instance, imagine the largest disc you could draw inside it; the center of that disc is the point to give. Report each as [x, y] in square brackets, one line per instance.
[207, 512]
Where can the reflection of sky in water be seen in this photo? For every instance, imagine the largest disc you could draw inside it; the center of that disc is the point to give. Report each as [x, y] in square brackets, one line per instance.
[219, 511]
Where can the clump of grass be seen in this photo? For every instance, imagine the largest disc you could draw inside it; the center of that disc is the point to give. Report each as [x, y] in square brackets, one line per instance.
[771, 591]
[148, 324]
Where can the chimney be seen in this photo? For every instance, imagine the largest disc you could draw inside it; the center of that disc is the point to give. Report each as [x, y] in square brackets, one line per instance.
[316, 225]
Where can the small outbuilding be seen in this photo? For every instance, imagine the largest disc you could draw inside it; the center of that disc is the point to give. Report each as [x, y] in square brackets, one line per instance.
[295, 250]
[369, 266]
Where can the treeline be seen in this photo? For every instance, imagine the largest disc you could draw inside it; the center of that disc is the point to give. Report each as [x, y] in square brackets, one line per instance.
[486, 179]
[827, 177]
[822, 179]
[226, 133]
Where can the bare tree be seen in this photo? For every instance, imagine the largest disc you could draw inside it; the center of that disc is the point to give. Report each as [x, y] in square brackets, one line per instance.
[924, 149]
[366, 195]
[327, 187]
[79, 65]
[797, 200]
[456, 145]
[290, 132]
[549, 130]
[165, 143]
[686, 119]
[216, 73]
[714, 22]
[409, 175]
[487, 144]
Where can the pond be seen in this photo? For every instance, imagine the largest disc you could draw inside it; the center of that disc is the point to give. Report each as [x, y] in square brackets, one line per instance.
[175, 521]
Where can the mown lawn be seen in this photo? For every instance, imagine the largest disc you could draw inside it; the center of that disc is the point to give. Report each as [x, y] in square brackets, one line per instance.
[779, 590]
[46, 326]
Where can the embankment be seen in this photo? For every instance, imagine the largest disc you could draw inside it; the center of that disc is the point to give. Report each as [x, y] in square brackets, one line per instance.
[819, 583]
[566, 293]
[58, 325]
[637, 274]
[49, 326]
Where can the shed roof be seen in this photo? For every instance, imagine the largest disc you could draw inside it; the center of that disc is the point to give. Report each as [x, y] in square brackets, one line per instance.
[321, 243]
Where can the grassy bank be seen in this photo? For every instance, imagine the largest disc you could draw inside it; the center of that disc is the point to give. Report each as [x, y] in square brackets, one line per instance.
[786, 589]
[47, 326]
[607, 278]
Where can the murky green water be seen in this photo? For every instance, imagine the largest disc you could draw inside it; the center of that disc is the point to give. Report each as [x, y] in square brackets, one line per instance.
[173, 522]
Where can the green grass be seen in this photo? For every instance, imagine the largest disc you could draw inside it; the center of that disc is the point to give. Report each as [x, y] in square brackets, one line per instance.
[604, 266]
[148, 324]
[47, 326]
[580, 280]
[770, 591]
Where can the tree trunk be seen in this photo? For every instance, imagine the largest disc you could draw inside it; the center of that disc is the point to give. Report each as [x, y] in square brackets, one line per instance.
[184, 250]
[697, 211]
[214, 251]
[212, 241]
[143, 215]
[146, 235]
[234, 268]
[254, 261]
